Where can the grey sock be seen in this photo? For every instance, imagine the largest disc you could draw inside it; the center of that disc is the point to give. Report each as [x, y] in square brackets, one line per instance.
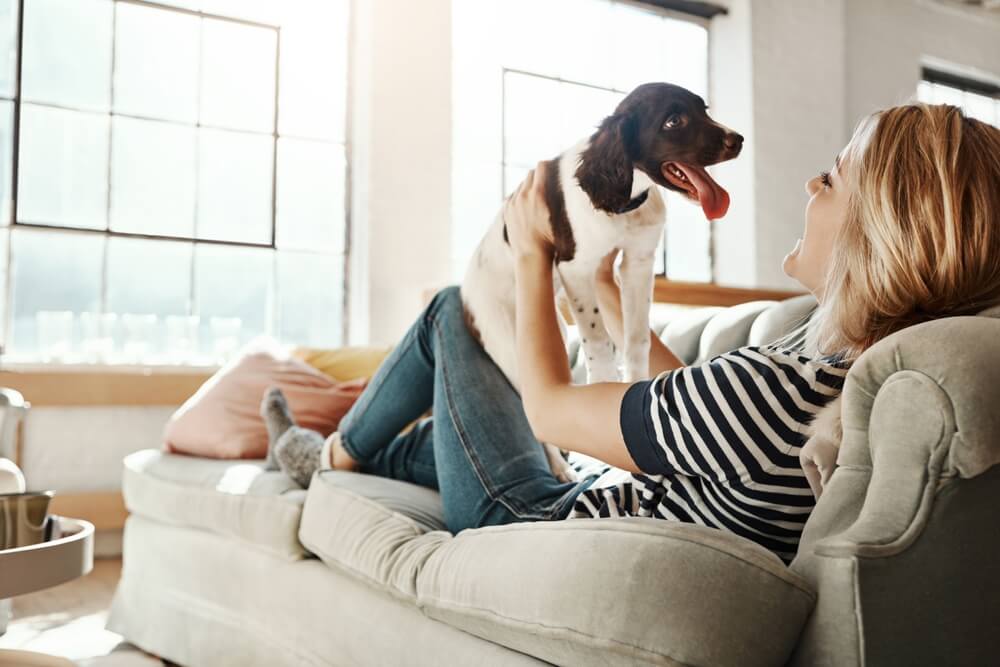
[298, 453]
[278, 419]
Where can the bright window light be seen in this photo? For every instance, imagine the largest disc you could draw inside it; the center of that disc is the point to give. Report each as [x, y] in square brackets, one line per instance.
[518, 101]
[176, 186]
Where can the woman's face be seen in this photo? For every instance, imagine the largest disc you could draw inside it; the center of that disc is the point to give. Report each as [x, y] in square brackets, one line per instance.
[825, 213]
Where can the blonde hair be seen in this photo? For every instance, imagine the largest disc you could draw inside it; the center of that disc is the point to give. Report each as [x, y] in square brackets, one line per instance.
[922, 235]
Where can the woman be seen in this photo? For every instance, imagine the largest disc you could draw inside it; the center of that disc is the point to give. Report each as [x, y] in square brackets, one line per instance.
[904, 228]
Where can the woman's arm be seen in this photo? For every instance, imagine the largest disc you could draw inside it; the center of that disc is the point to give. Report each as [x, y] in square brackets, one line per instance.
[579, 418]
[609, 299]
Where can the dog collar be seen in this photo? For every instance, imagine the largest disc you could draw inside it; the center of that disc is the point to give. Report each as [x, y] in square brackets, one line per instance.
[634, 203]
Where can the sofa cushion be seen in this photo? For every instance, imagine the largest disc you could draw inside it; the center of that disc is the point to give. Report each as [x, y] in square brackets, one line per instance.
[238, 499]
[580, 592]
[222, 419]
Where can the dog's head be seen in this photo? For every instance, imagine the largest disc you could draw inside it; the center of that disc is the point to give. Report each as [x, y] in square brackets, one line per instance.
[663, 130]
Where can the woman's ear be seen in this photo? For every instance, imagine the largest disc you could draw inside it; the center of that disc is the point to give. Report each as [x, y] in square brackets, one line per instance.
[605, 170]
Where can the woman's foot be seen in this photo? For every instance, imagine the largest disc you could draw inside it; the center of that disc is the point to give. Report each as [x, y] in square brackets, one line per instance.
[278, 419]
[298, 453]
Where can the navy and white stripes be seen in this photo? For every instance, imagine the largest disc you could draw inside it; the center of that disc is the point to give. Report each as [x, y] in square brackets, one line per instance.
[719, 445]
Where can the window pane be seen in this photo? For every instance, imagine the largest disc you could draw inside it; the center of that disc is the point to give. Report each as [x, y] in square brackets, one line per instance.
[67, 53]
[6, 160]
[238, 76]
[233, 283]
[532, 119]
[63, 167]
[310, 195]
[639, 48]
[313, 82]
[687, 240]
[4, 256]
[537, 26]
[948, 95]
[582, 52]
[149, 277]
[156, 63]
[979, 106]
[152, 177]
[183, 4]
[8, 47]
[263, 11]
[687, 55]
[310, 293]
[51, 271]
[583, 110]
[234, 186]
[925, 92]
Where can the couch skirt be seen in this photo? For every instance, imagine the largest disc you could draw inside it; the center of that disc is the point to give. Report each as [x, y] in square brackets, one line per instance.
[203, 600]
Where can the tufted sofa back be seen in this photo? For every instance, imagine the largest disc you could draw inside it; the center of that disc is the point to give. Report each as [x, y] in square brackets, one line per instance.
[902, 548]
[698, 334]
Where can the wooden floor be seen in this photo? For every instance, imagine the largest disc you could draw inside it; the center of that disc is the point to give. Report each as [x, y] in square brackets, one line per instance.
[68, 621]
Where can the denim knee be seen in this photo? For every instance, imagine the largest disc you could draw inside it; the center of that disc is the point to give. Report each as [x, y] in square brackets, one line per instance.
[447, 298]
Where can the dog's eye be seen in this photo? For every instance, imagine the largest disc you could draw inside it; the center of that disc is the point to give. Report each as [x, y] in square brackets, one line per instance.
[673, 121]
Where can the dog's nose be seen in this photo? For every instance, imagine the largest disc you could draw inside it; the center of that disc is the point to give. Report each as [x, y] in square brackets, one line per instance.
[733, 140]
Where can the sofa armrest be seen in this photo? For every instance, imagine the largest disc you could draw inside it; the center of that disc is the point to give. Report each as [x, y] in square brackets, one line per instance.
[919, 412]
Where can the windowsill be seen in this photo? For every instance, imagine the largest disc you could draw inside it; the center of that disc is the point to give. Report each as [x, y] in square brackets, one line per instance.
[93, 385]
[82, 368]
[710, 294]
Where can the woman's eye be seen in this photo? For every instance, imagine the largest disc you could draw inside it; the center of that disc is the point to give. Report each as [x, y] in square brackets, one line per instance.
[673, 121]
[824, 178]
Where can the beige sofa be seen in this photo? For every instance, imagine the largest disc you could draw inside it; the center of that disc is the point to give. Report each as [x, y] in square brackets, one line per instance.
[226, 564]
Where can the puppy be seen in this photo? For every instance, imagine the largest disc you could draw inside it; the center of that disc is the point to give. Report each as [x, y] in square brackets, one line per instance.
[602, 195]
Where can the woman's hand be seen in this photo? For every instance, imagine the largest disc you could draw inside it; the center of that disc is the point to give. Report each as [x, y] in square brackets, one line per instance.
[527, 217]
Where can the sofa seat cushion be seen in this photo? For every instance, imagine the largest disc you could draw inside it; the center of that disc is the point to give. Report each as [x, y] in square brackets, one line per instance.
[237, 499]
[575, 592]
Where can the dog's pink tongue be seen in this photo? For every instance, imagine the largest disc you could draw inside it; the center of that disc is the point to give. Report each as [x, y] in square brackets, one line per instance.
[713, 197]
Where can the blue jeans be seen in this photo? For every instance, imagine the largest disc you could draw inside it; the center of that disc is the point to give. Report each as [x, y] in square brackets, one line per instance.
[477, 450]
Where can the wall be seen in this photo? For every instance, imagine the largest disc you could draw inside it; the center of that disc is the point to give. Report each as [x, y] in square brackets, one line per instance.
[793, 77]
[777, 67]
[401, 180]
[890, 38]
[796, 78]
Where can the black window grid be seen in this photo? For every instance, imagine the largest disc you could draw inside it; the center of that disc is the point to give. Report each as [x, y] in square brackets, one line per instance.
[111, 114]
[194, 240]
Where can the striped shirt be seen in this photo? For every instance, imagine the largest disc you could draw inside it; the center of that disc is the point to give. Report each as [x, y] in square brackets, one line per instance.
[719, 445]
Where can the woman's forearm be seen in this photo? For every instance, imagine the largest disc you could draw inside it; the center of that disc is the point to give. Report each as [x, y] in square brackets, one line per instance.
[579, 418]
[542, 362]
[609, 299]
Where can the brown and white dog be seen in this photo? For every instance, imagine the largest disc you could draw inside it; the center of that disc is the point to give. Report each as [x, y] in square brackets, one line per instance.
[601, 195]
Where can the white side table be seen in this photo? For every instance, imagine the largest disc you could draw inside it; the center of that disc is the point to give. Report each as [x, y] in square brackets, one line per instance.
[28, 569]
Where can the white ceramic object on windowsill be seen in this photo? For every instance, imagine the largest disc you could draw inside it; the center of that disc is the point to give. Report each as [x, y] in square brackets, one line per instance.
[11, 478]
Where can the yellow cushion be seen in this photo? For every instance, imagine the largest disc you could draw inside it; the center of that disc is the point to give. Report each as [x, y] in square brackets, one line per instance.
[344, 363]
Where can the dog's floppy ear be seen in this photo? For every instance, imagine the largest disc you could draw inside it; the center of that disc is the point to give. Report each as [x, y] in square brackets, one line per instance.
[605, 170]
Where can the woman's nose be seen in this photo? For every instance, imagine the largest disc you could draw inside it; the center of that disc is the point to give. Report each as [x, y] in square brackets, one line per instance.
[811, 185]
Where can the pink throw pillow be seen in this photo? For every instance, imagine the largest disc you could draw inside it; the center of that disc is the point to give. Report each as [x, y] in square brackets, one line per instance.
[222, 419]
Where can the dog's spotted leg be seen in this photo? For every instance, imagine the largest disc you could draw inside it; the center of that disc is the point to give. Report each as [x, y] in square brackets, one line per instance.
[599, 352]
[636, 273]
